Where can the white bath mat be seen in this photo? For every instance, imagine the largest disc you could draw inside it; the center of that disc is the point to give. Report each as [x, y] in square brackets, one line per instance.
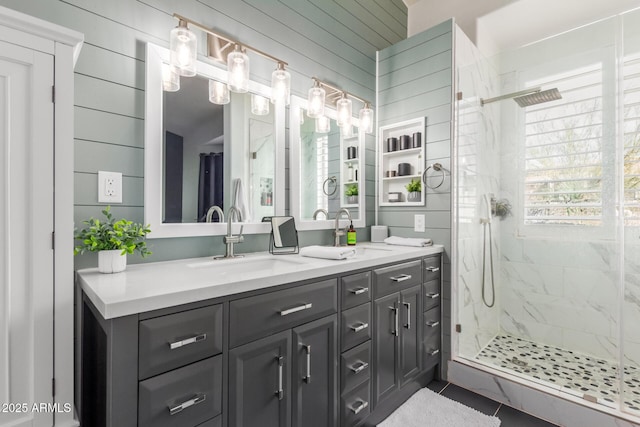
[429, 409]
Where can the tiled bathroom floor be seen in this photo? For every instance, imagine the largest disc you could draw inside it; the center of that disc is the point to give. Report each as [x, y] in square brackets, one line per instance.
[575, 373]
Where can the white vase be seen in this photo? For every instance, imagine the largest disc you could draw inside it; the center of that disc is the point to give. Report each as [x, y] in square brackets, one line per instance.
[414, 196]
[112, 261]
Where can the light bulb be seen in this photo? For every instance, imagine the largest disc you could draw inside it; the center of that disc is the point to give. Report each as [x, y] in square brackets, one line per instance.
[218, 92]
[343, 109]
[259, 105]
[238, 71]
[281, 85]
[366, 118]
[323, 124]
[183, 50]
[170, 78]
[316, 100]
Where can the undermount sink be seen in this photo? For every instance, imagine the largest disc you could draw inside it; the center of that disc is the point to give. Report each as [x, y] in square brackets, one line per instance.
[244, 264]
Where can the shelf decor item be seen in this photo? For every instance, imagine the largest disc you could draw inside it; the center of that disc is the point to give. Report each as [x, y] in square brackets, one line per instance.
[352, 194]
[113, 240]
[405, 142]
[414, 188]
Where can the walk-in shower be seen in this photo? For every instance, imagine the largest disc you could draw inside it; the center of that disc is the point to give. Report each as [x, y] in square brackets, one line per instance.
[560, 310]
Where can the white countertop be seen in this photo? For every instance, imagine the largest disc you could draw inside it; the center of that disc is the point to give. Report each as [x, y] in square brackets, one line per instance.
[152, 286]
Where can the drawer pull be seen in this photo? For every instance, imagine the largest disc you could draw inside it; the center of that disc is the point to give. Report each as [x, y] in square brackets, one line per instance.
[359, 291]
[280, 390]
[197, 398]
[433, 269]
[194, 339]
[295, 309]
[408, 324]
[434, 352]
[361, 367]
[401, 278]
[433, 323]
[307, 378]
[360, 406]
[361, 327]
[433, 295]
[395, 321]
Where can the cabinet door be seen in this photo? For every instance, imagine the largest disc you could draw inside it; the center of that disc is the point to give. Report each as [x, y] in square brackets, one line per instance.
[315, 374]
[410, 337]
[387, 311]
[259, 382]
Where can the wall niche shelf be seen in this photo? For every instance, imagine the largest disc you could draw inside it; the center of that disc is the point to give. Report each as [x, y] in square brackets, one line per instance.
[390, 159]
[349, 172]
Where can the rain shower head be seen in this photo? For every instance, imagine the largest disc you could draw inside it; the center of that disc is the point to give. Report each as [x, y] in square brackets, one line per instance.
[526, 98]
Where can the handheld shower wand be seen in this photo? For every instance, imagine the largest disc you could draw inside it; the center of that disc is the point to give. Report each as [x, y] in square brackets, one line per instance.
[487, 222]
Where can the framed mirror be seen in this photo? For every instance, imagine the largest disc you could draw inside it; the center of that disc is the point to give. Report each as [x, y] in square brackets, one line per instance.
[327, 170]
[199, 154]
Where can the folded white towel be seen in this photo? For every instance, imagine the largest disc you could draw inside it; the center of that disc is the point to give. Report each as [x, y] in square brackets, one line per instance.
[328, 252]
[408, 241]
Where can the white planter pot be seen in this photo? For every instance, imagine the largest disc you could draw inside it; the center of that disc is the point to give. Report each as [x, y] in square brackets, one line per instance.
[111, 261]
[414, 196]
[352, 200]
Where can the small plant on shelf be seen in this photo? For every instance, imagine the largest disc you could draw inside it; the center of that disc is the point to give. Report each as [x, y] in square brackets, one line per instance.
[352, 190]
[415, 190]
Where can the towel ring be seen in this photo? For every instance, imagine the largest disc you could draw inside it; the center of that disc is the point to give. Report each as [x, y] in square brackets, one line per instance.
[325, 186]
[436, 167]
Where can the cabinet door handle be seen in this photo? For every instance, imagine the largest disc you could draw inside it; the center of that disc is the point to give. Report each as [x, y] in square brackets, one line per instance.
[434, 352]
[191, 340]
[197, 398]
[433, 323]
[433, 269]
[362, 326]
[359, 407]
[395, 320]
[307, 378]
[433, 295]
[357, 369]
[408, 324]
[401, 278]
[295, 309]
[280, 390]
[359, 291]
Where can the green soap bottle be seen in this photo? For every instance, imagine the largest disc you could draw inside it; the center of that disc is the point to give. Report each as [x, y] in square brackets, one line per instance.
[351, 235]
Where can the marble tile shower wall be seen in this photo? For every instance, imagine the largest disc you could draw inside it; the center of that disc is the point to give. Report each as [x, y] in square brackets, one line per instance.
[478, 173]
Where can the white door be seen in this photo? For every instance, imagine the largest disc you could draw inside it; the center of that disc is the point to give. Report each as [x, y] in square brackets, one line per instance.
[26, 223]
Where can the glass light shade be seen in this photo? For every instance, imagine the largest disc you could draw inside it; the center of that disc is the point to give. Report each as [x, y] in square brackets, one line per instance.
[323, 124]
[183, 50]
[218, 92]
[238, 71]
[346, 131]
[343, 109]
[366, 119]
[170, 78]
[281, 85]
[259, 105]
[315, 102]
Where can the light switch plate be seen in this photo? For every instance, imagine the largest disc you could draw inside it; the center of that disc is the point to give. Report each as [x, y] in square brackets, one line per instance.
[109, 187]
[418, 223]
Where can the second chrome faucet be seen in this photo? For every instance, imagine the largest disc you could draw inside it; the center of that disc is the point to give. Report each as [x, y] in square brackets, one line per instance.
[230, 240]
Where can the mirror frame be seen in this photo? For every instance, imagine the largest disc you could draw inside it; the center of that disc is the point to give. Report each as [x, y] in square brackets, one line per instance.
[297, 105]
[153, 152]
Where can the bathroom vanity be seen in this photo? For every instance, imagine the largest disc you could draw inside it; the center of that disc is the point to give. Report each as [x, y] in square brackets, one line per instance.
[259, 341]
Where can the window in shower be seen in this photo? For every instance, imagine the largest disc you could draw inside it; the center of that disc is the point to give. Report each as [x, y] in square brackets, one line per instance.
[564, 153]
[631, 129]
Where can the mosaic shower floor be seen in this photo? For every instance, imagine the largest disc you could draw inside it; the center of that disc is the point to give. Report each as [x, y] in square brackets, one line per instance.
[576, 373]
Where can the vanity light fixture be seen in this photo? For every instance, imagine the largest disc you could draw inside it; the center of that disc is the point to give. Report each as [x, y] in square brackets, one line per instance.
[281, 85]
[170, 78]
[218, 92]
[259, 105]
[346, 131]
[322, 93]
[183, 48]
[323, 124]
[238, 70]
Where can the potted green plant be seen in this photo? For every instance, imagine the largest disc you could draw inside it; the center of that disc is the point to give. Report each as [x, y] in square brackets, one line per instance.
[352, 194]
[415, 190]
[113, 240]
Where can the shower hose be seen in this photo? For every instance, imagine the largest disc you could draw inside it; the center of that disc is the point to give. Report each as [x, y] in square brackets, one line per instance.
[486, 222]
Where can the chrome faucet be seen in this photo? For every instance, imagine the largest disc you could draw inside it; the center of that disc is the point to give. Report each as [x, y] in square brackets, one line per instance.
[230, 239]
[212, 209]
[319, 211]
[337, 232]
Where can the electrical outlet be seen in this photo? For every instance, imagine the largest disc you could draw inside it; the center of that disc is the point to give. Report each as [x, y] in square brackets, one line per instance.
[418, 223]
[109, 187]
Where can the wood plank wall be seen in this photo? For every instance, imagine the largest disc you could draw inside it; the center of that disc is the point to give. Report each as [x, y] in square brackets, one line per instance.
[335, 40]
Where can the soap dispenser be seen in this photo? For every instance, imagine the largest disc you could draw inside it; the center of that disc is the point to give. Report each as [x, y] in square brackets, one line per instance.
[351, 235]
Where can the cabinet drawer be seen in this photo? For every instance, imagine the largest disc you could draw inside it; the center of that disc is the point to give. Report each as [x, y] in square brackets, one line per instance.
[355, 289]
[175, 340]
[355, 366]
[392, 279]
[431, 324]
[254, 317]
[432, 294]
[216, 422]
[355, 406]
[431, 268]
[431, 340]
[355, 326]
[184, 397]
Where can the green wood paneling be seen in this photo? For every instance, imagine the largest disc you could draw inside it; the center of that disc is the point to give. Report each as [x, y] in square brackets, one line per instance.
[100, 126]
[92, 157]
[111, 66]
[103, 95]
[438, 62]
[85, 185]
